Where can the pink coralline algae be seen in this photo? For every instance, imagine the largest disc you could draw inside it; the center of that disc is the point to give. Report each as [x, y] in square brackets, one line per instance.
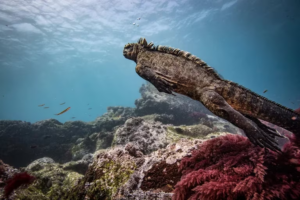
[230, 167]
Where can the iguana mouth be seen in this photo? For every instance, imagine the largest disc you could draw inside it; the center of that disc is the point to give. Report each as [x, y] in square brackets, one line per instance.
[130, 52]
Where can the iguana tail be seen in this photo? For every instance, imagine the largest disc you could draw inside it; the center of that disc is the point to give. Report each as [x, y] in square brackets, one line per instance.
[257, 106]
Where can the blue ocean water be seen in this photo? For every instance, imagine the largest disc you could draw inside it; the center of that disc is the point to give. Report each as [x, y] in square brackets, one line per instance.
[70, 51]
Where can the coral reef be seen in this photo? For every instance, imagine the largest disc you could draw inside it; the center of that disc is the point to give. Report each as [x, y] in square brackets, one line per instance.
[230, 167]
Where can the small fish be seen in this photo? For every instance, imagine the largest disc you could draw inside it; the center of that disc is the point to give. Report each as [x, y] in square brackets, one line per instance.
[138, 18]
[265, 91]
[90, 108]
[294, 118]
[46, 107]
[88, 104]
[41, 105]
[137, 25]
[133, 23]
[62, 103]
[33, 146]
[63, 111]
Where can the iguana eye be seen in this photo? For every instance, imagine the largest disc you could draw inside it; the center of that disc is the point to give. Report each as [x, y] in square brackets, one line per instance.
[128, 48]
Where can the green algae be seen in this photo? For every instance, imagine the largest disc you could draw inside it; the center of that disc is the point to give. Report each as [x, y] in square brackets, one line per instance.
[103, 180]
[52, 182]
[85, 146]
[114, 175]
[174, 136]
[189, 132]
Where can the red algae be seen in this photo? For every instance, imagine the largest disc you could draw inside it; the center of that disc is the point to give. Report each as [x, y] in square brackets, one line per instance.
[16, 181]
[230, 167]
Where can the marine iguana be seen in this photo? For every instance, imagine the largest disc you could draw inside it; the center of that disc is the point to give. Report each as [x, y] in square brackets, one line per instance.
[172, 70]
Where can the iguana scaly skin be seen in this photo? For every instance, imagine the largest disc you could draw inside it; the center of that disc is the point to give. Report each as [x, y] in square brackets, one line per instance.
[172, 70]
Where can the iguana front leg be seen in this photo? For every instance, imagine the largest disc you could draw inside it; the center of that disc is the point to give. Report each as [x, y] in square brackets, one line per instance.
[148, 74]
[256, 134]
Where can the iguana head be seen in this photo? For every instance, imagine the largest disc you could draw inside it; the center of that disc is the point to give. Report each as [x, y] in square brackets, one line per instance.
[131, 50]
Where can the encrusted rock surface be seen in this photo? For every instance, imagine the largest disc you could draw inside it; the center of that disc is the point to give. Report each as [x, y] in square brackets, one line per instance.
[142, 164]
[127, 153]
[6, 172]
[52, 182]
[79, 166]
[39, 164]
[147, 136]
[119, 173]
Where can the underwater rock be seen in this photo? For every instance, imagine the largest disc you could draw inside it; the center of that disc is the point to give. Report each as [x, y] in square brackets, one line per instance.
[133, 150]
[19, 180]
[182, 109]
[79, 166]
[51, 138]
[102, 139]
[147, 136]
[195, 131]
[6, 172]
[39, 164]
[147, 195]
[221, 125]
[85, 146]
[114, 116]
[88, 158]
[109, 171]
[52, 182]
[118, 173]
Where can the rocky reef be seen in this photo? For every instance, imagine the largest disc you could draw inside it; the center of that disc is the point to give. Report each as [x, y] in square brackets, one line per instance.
[153, 151]
[73, 139]
[62, 142]
[177, 110]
